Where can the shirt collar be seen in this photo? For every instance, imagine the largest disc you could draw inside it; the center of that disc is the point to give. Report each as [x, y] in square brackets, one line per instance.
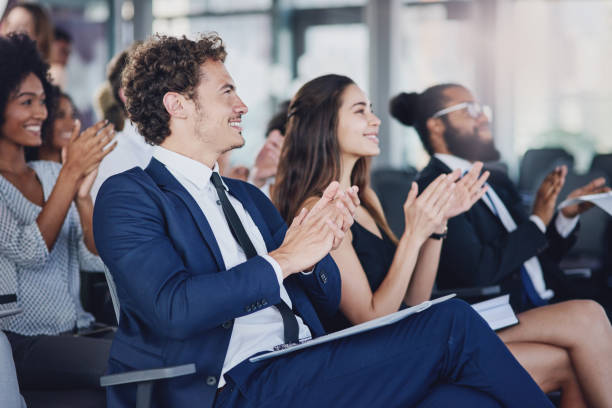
[454, 162]
[191, 170]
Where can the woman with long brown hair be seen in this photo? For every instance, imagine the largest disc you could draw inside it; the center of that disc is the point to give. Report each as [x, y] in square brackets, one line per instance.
[331, 135]
[322, 148]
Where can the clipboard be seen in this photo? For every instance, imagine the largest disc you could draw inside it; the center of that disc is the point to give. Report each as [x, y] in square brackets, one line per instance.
[350, 331]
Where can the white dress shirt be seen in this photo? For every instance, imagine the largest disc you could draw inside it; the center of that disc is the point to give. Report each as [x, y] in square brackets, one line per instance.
[256, 332]
[563, 224]
[131, 151]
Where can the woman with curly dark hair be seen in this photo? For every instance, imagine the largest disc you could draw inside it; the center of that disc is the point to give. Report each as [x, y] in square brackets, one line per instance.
[45, 230]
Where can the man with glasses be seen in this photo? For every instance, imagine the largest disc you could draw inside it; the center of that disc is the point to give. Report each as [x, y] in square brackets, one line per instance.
[496, 241]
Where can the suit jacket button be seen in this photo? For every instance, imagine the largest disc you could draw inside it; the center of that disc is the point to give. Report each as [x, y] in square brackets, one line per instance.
[210, 380]
[264, 302]
[248, 309]
[227, 325]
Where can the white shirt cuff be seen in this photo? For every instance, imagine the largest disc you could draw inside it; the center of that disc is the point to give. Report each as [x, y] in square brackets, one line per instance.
[277, 269]
[538, 221]
[307, 272]
[565, 225]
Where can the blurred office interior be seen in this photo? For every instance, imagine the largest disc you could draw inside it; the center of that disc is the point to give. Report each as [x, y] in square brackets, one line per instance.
[540, 64]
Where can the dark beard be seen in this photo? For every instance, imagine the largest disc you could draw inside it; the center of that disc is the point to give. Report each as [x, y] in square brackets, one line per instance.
[470, 147]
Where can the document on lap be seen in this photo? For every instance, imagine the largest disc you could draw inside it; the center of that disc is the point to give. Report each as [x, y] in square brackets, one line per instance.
[497, 312]
[602, 200]
[359, 328]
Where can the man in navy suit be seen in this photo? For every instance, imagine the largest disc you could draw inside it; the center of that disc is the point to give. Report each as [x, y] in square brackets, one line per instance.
[496, 241]
[194, 289]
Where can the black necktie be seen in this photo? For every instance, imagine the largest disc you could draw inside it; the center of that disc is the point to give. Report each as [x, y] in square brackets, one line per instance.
[290, 323]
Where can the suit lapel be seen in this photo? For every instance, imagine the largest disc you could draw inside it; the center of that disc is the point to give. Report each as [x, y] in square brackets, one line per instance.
[166, 181]
[439, 165]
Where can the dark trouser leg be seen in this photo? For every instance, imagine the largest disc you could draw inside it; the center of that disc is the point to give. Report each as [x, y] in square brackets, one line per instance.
[59, 362]
[393, 366]
[449, 395]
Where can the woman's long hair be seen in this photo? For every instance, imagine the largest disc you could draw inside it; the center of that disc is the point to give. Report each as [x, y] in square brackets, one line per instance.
[310, 157]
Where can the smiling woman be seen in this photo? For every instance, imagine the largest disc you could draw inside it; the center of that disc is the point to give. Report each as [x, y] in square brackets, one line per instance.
[56, 131]
[45, 229]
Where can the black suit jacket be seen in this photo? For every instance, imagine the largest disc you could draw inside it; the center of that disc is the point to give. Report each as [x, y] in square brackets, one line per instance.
[479, 251]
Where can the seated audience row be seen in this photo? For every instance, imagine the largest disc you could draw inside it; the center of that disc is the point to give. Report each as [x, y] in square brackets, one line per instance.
[564, 346]
[213, 263]
[463, 227]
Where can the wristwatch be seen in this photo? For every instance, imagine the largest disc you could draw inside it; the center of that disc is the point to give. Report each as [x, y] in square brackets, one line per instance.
[443, 235]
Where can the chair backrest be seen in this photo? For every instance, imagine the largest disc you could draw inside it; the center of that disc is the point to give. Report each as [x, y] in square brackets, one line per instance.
[593, 223]
[113, 291]
[603, 162]
[392, 187]
[537, 163]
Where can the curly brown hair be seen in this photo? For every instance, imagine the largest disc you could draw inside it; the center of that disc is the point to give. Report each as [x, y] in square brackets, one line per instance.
[165, 64]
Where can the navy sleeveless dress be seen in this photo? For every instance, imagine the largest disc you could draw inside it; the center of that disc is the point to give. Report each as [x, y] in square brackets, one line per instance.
[376, 256]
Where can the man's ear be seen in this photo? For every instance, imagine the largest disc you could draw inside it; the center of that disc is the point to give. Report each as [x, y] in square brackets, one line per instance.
[175, 105]
[436, 128]
[122, 96]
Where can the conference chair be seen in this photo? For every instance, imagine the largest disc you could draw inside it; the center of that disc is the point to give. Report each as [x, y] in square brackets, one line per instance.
[8, 299]
[603, 162]
[535, 165]
[50, 398]
[392, 187]
[588, 261]
[143, 378]
[590, 248]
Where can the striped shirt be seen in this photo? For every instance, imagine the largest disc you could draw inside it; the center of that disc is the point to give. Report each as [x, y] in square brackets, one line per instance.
[47, 284]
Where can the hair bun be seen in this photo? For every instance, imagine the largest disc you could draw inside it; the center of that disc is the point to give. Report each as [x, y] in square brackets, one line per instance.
[404, 106]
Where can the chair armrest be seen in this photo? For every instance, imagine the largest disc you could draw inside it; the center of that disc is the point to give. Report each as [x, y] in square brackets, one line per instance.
[147, 375]
[6, 299]
[580, 273]
[477, 291]
[10, 312]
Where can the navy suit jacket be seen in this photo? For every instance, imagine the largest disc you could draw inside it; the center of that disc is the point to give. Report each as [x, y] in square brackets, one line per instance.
[479, 251]
[178, 300]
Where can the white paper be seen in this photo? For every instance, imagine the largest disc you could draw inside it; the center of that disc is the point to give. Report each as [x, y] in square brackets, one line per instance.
[497, 312]
[603, 201]
[359, 328]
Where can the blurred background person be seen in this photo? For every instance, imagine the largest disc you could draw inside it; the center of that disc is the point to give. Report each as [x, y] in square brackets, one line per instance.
[61, 47]
[266, 162]
[30, 19]
[131, 150]
[56, 131]
[227, 170]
